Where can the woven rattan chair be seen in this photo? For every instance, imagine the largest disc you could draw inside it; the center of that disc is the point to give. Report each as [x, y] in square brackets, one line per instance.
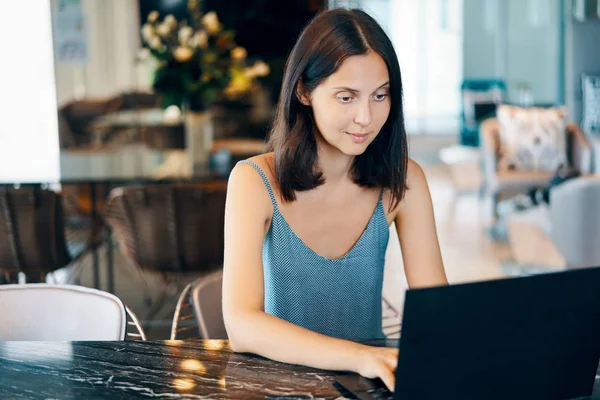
[200, 309]
[171, 229]
[35, 238]
[32, 234]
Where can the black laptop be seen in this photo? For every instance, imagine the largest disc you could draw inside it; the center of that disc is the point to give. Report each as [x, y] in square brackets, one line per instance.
[535, 337]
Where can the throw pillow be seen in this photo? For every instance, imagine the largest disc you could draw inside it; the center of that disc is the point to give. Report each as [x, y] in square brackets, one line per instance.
[532, 139]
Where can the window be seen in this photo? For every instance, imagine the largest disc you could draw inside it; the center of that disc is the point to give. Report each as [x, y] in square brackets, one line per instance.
[427, 36]
[28, 126]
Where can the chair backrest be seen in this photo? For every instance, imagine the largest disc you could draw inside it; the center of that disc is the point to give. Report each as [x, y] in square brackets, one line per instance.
[134, 329]
[206, 295]
[170, 228]
[576, 221]
[138, 100]
[44, 312]
[184, 319]
[32, 235]
[489, 131]
[76, 117]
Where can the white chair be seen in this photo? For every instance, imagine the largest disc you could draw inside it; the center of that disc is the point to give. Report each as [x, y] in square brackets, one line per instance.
[563, 234]
[201, 300]
[48, 312]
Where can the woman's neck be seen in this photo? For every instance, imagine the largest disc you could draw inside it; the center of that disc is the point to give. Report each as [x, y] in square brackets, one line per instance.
[334, 164]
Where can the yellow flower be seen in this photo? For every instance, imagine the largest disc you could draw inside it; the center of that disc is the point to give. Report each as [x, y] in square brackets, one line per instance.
[147, 32]
[185, 33]
[155, 42]
[183, 54]
[261, 68]
[153, 16]
[238, 85]
[200, 39]
[239, 53]
[211, 23]
[170, 20]
[163, 29]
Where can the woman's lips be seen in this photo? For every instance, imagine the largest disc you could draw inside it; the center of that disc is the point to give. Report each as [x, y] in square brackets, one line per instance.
[358, 137]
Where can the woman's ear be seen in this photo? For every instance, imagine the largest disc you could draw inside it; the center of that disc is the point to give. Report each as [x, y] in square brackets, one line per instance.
[302, 94]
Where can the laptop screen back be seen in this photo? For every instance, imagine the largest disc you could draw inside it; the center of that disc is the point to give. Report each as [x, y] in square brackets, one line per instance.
[535, 337]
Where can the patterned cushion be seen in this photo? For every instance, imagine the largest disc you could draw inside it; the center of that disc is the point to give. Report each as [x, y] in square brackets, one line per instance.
[532, 139]
[591, 103]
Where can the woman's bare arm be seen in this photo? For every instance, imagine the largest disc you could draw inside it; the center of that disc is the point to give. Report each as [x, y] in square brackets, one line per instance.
[417, 233]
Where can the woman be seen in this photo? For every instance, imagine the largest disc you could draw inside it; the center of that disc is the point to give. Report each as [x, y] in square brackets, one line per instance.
[306, 226]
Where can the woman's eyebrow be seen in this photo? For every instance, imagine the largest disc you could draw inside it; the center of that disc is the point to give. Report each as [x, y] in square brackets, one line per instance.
[356, 90]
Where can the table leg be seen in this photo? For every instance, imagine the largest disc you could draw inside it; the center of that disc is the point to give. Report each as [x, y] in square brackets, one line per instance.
[109, 251]
[94, 217]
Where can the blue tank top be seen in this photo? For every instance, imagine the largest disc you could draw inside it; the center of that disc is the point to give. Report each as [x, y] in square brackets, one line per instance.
[339, 298]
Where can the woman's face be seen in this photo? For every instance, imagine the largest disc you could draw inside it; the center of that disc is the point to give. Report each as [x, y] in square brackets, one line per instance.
[351, 105]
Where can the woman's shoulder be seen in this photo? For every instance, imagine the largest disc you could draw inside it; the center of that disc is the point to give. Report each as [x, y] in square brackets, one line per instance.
[247, 168]
[414, 174]
[415, 182]
[248, 182]
[263, 161]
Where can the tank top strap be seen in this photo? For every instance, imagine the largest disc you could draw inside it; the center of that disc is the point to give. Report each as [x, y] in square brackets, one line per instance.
[264, 178]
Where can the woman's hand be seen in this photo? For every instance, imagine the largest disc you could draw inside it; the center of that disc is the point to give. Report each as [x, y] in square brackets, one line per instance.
[378, 362]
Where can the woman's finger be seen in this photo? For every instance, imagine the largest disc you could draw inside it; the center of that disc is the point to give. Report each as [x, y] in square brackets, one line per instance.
[387, 376]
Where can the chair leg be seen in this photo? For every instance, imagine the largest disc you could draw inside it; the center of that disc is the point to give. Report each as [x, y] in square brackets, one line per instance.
[497, 228]
[495, 197]
[481, 191]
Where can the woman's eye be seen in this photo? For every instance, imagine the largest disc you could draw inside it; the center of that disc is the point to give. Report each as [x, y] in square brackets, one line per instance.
[381, 96]
[345, 99]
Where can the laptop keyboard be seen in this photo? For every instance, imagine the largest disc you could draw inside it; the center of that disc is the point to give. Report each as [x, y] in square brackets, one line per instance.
[356, 387]
[376, 394]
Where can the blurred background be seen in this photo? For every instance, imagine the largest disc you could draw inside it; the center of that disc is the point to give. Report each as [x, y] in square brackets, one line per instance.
[121, 120]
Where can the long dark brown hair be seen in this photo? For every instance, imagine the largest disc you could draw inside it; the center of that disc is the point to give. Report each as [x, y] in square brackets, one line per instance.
[325, 42]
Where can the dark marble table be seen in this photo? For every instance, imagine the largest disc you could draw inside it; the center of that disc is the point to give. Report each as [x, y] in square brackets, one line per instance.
[157, 369]
[173, 369]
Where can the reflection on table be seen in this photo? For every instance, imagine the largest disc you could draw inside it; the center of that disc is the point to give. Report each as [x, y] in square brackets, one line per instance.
[172, 369]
